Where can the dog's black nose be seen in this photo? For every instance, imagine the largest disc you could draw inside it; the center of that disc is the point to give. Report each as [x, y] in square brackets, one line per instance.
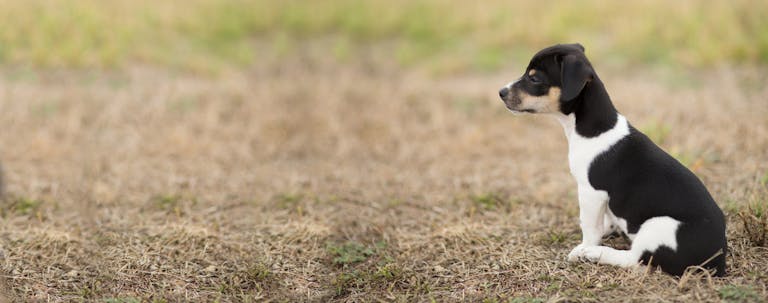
[503, 92]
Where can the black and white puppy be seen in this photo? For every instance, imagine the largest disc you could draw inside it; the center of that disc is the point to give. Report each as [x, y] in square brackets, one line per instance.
[624, 180]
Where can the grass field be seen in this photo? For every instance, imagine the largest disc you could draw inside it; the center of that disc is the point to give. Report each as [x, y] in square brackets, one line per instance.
[330, 156]
[205, 35]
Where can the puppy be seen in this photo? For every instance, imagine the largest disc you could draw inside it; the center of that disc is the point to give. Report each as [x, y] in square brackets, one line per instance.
[624, 179]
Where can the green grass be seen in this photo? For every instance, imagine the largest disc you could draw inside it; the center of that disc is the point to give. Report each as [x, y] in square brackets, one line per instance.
[202, 34]
[122, 300]
[27, 206]
[20, 206]
[288, 200]
[362, 267]
[258, 272]
[350, 253]
[526, 300]
[167, 201]
[487, 201]
[555, 238]
[735, 293]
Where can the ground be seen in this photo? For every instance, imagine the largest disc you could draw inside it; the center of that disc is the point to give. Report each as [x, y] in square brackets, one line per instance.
[306, 180]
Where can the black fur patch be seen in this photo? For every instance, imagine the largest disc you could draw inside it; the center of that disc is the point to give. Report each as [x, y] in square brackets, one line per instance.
[643, 182]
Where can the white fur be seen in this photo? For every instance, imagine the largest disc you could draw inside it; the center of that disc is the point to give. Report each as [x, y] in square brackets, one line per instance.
[509, 85]
[582, 151]
[595, 219]
[654, 233]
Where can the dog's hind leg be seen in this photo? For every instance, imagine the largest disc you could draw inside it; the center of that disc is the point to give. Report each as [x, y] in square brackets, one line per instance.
[610, 256]
[652, 234]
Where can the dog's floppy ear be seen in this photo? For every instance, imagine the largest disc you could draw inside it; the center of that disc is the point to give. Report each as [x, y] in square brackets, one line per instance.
[578, 45]
[574, 75]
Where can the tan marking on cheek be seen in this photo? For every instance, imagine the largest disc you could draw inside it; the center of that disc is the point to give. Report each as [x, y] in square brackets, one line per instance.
[541, 104]
[537, 104]
[524, 98]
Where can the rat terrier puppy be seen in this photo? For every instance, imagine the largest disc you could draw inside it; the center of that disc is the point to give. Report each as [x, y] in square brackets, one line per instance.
[624, 180]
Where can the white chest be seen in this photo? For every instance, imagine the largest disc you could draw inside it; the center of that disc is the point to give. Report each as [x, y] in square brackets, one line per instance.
[582, 151]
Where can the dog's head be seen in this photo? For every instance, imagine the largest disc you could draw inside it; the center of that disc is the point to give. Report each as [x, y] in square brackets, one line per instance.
[555, 76]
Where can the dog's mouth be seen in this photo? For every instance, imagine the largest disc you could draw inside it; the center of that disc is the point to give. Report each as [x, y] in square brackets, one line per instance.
[521, 111]
[512, 102]
[514, 109]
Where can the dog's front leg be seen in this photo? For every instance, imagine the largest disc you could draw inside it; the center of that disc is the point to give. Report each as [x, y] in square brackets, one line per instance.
[592, 207]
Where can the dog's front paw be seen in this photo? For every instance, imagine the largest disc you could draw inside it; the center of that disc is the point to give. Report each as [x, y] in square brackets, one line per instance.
[576, 253]
[585, 253]
[591, 254]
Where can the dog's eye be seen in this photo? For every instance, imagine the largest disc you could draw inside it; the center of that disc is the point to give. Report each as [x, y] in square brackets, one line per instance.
[535, 79]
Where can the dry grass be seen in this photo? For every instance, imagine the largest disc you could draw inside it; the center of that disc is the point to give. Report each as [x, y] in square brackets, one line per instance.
[308, 181]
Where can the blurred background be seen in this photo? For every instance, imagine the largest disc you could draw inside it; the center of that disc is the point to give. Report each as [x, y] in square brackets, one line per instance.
[445, 36]
[232, 150]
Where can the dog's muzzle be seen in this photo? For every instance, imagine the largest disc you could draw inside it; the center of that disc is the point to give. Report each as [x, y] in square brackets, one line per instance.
[503, 93]
[510, 100]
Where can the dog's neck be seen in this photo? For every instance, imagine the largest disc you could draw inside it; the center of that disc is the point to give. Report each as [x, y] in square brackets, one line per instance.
[592, 112]
[568, 122]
